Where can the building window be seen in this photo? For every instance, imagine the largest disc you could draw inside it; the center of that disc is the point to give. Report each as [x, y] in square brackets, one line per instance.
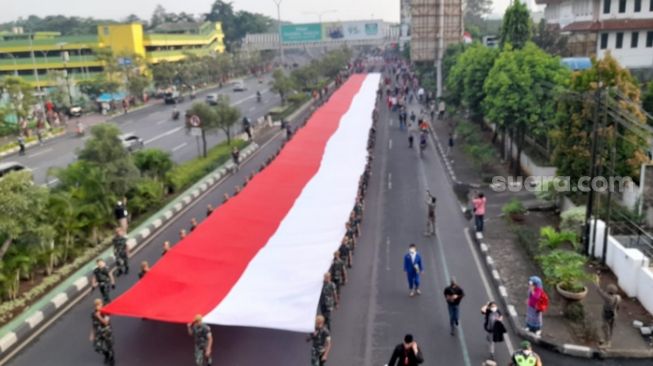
[622, 6]
[638, 6]
[620, 40]
[634, 39]
[649, 39]
[606, 6]
[106, 31]
[604, 40]
[650, 7]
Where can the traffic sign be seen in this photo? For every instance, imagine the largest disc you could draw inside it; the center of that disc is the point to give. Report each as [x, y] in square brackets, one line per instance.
[196, 131]
[195, 121]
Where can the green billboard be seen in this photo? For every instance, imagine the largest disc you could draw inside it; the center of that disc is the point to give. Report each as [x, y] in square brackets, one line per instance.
[294, 33]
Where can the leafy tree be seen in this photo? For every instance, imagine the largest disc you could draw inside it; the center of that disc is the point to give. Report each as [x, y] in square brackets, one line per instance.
[519, 93]
[208, 118]
[548, 37]
[476, 10]
[164, 73]
[20, 95]
[158, 16]
[227, 117]
[67, 26]
[93, 88]
[467, 77]
[153, 163]
[22, 207]
[104, 149]
[573, 130]
[516, 26]
[647, 102]
[137, 84]
[282, 84]
[145, 194]
[63, 211]
[237, 24]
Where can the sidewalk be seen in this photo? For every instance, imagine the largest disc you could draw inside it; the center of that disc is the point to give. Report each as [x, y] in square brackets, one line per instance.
[506, 247]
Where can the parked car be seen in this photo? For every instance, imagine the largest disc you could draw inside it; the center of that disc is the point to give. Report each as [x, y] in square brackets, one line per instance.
[131, 142]
[173, 97]
[239, 85]
[75, 111]
[10, 167]
[212, 99]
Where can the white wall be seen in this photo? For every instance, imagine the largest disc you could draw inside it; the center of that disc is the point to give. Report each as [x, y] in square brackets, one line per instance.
[645, 13]
[629, 265]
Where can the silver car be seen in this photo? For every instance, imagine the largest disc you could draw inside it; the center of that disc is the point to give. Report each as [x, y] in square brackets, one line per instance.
[212, 99]
[131, 142]
[239, 85]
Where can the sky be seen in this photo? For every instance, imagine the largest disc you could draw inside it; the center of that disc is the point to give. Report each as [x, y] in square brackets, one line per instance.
[291, 10]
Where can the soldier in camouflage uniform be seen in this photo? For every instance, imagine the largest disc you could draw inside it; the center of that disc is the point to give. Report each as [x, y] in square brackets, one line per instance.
[321, 342]
[121, 252]
[328, 299]
[203, 341]
[101, 334]
[346, 251]
[103, 279]
[338, 271]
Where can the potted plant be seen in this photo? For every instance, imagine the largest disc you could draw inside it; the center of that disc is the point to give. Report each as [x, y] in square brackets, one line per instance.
[514, 209]
[566, 270]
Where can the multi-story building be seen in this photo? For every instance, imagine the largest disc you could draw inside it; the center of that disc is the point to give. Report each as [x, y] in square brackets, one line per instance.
[405, 14]
[41, 57]
[623, 27]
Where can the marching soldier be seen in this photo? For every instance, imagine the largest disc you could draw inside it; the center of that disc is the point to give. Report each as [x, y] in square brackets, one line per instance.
[103, 279]
[321, 342]
[101, 334]
[203, 341]
[338, 271]
[121, 252]
[328, 299]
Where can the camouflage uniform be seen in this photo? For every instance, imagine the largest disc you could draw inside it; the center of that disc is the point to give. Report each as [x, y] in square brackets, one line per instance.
[120, 251]
[338, 273]
[328, 301]
[103, 340]
[201, 334]
[104, 282]
[319, 340]
[345, 250]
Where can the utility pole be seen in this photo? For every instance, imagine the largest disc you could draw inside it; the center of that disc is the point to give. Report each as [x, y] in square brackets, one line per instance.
[278, 4]
[590, 196]
[438, 61]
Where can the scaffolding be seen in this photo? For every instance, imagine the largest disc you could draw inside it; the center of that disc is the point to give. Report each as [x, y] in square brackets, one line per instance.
[436, 24]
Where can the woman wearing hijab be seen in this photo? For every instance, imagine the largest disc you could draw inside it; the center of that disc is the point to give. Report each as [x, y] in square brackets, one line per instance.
[534, 311]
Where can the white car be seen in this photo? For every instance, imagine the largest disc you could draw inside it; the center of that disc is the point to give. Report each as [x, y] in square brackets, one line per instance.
[131, 142]
[239, 85]
[12, 166]
[212, 99]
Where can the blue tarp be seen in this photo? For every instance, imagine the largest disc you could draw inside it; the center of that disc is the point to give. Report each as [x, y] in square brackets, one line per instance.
[107, 97]
[577, 63]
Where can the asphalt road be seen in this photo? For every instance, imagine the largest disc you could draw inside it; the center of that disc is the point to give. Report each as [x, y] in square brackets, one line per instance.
[375, 311]
[155, 126]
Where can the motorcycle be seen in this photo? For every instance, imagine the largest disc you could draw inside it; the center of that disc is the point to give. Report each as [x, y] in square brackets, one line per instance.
[175, 114]
[258, 97]
[79, 130]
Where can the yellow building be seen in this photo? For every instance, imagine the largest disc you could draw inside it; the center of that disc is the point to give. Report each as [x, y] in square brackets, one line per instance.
[41, 56]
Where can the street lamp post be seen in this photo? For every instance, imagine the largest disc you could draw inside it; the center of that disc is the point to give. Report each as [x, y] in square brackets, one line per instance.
[278, 4]
[64, 57]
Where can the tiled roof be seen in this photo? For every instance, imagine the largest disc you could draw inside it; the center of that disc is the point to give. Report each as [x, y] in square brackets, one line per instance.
[612, 24]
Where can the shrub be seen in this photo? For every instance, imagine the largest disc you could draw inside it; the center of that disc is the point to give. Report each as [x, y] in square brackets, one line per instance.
[527, 238]
[546, 190]
[514, 207]
[566, 268]
[183, 175]
[573, 219]
[550, 239]
[146, 194]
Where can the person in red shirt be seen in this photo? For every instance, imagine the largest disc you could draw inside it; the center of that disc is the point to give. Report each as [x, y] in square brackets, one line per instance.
[479, 211]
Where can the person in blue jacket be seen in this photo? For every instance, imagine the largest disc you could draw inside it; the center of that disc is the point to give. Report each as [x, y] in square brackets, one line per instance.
[413, 268]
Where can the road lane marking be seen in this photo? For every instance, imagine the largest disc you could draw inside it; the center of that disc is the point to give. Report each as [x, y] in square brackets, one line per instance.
[179, 147]
[390, 144]
[162, 135]
[39, 153]
[251, 109]
[54, 181]
[389, 181]
[387, 253]
[162, 121]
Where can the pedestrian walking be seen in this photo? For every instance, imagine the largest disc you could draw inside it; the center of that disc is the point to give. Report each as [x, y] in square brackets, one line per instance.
[441, 109]
[537, 303]
[453, 294]
[120, 213]
[413, 268]
[21, 145]
[145, 267]
[493, 325]
[203, 340]
[320, 342]
[345, 251]
[478, 204]
[338, 271]
[101, 333]
[611, 304]
[235, 156]
[407, 353]
[450, 144]
[328, 299]
[430, 214]
[103, 279]
[525, 356]
[121, 252]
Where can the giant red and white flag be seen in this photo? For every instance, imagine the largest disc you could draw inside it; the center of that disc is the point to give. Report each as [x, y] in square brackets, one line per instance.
[259, 259]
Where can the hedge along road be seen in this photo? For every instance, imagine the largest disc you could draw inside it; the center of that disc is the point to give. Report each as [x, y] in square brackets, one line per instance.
[155, 126]
[64, 339]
